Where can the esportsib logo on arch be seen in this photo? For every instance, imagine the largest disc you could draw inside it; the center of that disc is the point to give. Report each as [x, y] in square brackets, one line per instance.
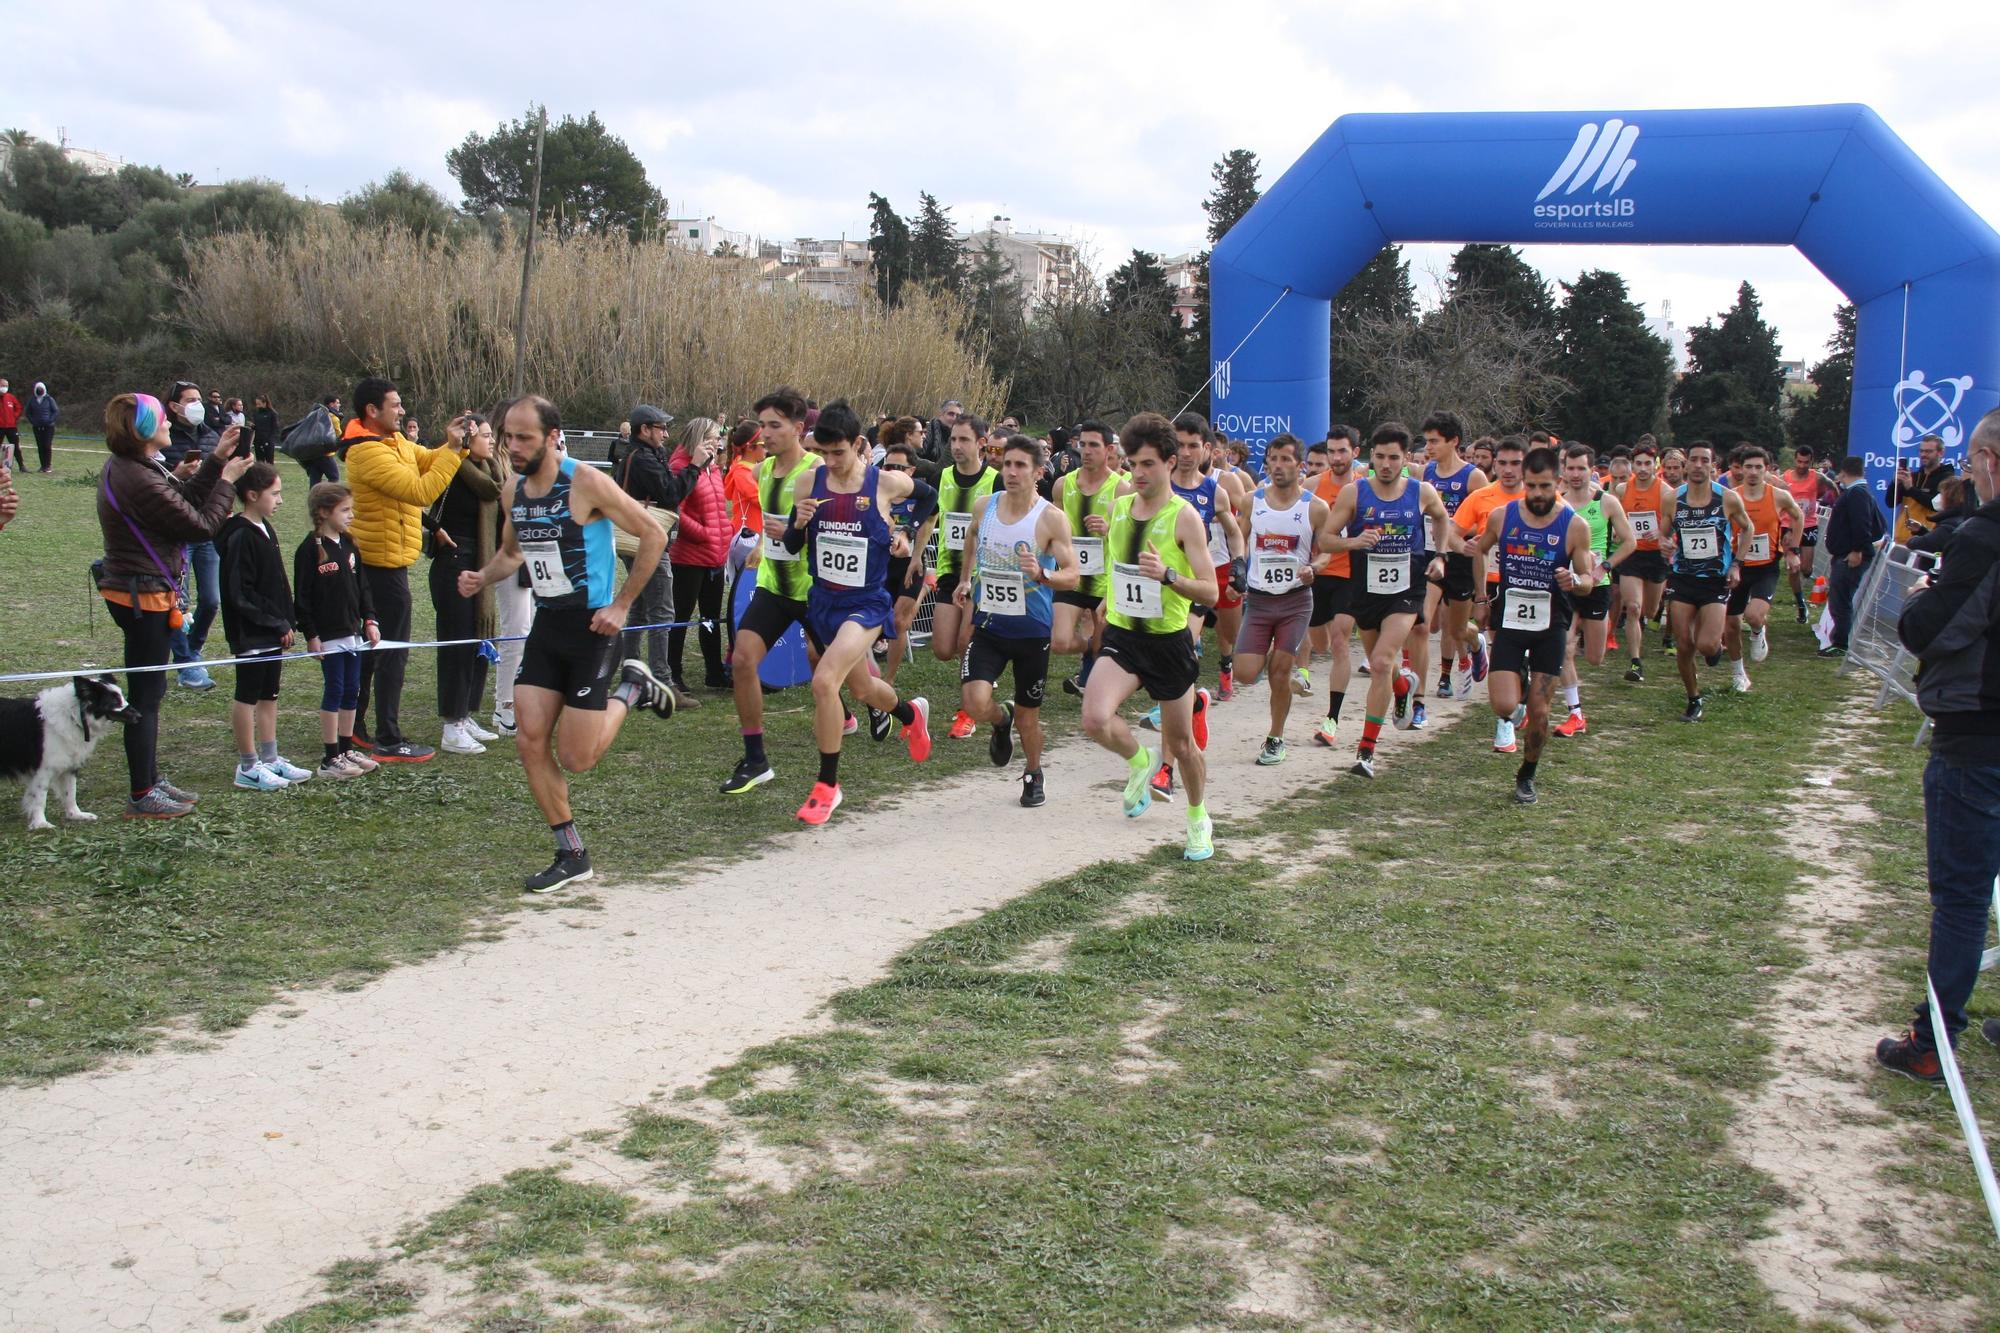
[1601, 158]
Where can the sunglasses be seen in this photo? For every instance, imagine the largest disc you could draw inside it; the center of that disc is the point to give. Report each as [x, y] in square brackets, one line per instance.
[896, 467]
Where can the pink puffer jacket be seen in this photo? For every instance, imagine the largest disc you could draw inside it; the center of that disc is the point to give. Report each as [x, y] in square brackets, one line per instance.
[705, 530]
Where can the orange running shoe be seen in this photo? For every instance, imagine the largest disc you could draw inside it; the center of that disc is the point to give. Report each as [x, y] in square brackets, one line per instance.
[1574, 726]
[962, 725]
[819, 806]
[1201, 719]
[917, 735]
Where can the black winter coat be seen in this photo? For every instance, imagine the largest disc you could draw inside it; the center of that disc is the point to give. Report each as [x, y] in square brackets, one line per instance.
[256, 599]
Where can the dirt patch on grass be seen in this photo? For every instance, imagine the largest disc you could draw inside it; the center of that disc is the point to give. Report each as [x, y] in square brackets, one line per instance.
[1046, 954]
[1137, 1059]
[1815, 1128]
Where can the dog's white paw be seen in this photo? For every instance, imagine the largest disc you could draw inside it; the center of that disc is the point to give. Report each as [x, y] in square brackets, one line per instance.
[80, 816]
[38, 823]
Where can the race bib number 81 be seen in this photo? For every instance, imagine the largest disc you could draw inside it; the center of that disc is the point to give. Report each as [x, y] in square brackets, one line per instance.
[545, 570]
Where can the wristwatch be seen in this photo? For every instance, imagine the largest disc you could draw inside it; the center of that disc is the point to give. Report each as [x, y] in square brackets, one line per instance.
[1167, 576]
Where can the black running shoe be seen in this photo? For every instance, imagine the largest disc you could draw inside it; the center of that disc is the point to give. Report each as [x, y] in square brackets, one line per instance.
[1693, 713]
[1636, 673]
[1712, 659]
[880, 724]
[567, 868]
[1032, 794]
[648, 690]
[1524, 791]
[749, 773]
[1000, 746]
[1802, 613]
[1073, 685]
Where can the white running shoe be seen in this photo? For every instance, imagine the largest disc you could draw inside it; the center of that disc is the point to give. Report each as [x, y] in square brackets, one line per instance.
[1503, 737]
[456, 741]
[503, 721]
[1760, 645]
[1741, 682]
[1302, 682]
[470, 726]
[288, 770]
[259, 778]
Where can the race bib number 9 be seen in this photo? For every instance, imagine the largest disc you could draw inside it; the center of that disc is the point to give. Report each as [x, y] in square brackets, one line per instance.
[545, 570]
[840, 560]
[1760, 549]
[1527, 610]
[1002, 592]
[1274, 573]
[1645, 524]
[955, 528]
[1135, 594]
[1089, 555]
[1700, 543]
[1388, 574]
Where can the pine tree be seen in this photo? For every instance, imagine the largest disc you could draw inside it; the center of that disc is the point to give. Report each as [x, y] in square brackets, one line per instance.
[1501, 273]
[1821, 420]
[936, 259]
[1381, 290]
[997, 318]
[888, 249]
[1731, 391]
[1618, 370]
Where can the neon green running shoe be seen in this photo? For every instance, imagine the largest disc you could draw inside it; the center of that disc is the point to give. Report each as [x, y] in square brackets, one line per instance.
[1201, 844]
[1138, 794]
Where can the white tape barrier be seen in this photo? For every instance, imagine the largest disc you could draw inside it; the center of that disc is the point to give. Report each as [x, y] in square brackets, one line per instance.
[1982, 1165]
[386, 645]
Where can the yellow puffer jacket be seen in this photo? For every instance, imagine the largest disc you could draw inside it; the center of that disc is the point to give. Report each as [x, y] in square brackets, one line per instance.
[394, 481]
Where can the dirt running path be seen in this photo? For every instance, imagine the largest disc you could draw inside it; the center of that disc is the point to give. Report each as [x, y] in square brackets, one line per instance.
[192, 1184]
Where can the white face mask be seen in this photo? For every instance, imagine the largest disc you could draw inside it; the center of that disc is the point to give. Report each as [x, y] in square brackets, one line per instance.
[192, 413]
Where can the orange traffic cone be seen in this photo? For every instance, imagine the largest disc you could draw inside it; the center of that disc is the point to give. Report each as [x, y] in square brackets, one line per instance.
[1818, 597]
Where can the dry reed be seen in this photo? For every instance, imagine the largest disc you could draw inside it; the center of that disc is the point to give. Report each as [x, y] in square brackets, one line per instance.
[610, 323]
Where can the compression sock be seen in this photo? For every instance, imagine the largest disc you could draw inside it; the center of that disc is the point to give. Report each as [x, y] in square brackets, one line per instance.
[1334, 699]
[829, 767]
[1371, 731]
[568, 841]
[903, 713]
[753, 747]
[1573, 696]
[1527, 770]
[1197, 813]
[346, 744]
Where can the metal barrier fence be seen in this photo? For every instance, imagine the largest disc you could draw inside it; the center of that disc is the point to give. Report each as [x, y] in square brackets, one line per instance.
[1872, 643]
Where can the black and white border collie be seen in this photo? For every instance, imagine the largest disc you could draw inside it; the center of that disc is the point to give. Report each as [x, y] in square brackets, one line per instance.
[48, 740]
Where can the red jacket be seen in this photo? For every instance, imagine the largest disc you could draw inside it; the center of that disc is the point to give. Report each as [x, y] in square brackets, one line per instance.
[703, 536]
[10, 411]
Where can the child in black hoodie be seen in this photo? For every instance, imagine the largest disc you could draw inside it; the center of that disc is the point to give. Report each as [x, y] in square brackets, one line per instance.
[335, 612]
[257, 621]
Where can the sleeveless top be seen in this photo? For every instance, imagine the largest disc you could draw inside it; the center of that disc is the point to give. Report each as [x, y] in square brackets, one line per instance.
[1647, 500]
[1076, 507]
[781, 572]
[1206, 496]
[1701, 537]
[1599, 523]
[1400, 521]
[956, 502]
[1764, 544]
[1806, 490]
[1004, 601]
[1452, 489]
[1340, 564]
[1130, 595]
[848, 542]
[570, 565]
[1529, 558]
[1281, 544]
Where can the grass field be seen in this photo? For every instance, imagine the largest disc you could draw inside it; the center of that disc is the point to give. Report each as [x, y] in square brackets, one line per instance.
[1403, 1056]
[118, 928]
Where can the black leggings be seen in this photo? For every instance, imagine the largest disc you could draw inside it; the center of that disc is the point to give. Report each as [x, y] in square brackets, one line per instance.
[45, 439]
[698, 585]
[146, 640]
[461, 671]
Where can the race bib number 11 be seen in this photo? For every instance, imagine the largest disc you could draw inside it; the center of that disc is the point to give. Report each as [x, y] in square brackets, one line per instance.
[1135, 594]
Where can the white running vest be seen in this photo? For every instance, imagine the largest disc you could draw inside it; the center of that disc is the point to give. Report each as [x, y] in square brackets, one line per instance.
[1281, 542]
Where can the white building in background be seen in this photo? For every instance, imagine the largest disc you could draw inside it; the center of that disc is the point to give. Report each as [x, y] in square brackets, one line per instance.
[1045, 265]
[1181, 276]
[92, 161]
[702, 235]
[1672, 335]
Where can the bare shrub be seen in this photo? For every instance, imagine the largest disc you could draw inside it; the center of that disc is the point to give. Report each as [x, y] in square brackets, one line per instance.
[611, 323]
[1467, 354]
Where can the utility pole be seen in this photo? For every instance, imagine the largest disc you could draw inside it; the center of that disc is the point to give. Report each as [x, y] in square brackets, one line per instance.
[528, 264]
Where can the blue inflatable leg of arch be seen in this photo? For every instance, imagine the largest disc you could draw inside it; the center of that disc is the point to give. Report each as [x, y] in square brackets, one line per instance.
[786, 664]
[1922, 269]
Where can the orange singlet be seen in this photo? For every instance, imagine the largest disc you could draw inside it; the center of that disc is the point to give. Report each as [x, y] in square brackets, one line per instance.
[1646, 500]
[1336, 565]
[1763, 527]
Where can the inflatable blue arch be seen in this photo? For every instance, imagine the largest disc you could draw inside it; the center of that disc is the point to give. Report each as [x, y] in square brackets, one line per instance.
[1922, 269]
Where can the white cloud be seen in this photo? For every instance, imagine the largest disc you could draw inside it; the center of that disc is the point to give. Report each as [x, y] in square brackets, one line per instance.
[1100, 119]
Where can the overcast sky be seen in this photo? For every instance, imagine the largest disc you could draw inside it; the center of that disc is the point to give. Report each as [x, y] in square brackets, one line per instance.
[1095, 119]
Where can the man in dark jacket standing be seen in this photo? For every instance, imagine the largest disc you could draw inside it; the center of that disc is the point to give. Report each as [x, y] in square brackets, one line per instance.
[1851, 533]
[42, 412]
[1953, 627]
